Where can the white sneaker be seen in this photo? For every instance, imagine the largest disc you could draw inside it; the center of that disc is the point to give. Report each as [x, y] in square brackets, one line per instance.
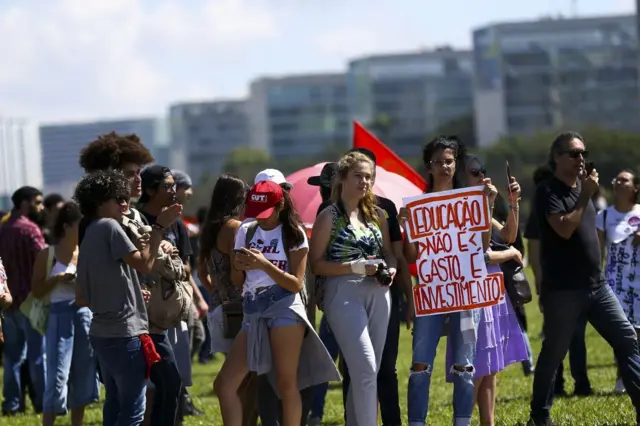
[619, 387]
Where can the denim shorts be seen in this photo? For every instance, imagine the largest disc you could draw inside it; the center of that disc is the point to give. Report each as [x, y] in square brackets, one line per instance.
[262, 300]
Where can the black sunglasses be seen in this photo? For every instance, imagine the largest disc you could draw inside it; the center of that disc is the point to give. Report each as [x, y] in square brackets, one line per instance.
[477, 171]
[575, 153]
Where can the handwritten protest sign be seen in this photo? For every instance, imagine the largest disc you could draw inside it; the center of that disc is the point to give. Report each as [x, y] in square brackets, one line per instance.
[447, 227]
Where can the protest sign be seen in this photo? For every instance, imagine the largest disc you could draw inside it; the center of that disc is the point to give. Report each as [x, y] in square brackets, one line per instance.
[447, 228]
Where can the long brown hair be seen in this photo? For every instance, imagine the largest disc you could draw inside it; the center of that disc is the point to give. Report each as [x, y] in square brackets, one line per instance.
[367, 204]
[291, 222]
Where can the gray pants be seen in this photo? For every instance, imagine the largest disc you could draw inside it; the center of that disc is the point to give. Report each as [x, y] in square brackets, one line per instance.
[357, 309]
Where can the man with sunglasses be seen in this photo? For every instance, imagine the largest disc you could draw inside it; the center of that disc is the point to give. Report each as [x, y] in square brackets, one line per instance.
[573, 287]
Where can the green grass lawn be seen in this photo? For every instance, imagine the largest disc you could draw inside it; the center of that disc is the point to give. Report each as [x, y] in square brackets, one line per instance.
[514, 391]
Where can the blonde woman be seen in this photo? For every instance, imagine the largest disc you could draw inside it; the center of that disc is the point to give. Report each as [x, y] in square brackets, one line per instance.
[352, 248]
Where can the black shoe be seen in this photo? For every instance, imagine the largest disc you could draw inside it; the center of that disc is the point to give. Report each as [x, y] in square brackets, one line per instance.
[532, 422]
[188, 408]
[11, 413]
[559, 393]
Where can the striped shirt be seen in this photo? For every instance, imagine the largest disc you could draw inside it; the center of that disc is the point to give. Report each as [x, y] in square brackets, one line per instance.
[20, 241]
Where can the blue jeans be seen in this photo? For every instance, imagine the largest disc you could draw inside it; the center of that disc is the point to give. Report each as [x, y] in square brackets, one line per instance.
[168, 385]
[71, 366]
[21, 344]
[124, 371]
[564, 311]
[320, 393]
[426, 335]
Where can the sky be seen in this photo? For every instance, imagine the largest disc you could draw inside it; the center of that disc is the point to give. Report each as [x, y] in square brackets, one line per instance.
[80, 60]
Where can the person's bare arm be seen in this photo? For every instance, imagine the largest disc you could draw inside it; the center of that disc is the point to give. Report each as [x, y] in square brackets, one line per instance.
[204, 276]
[143, 260]
[565, 224]
[318, 246]
[40, 283]
[291, 281]
[498, 257]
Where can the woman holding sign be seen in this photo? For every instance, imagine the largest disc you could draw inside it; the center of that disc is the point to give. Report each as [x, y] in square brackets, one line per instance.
[443, 158]
[500, 340]
[352, 248]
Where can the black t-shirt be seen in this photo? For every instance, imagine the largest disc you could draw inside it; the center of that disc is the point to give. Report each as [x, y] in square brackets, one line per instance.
[323, 206]
[176, 234]
[567, 264]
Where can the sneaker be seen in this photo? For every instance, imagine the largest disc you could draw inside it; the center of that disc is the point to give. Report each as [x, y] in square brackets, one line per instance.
[314, 421]
[619, 387]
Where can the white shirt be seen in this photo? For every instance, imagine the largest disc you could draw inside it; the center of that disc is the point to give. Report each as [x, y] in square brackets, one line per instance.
[622, 269]
[271, 246]
[63, 292]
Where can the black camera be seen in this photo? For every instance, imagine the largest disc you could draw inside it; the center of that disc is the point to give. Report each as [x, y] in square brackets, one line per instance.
[382, 274]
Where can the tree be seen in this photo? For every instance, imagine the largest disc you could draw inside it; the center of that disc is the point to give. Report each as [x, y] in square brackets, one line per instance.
[246, 162]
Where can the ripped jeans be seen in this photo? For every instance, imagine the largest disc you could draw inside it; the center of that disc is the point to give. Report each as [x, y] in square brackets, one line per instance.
[426, 336]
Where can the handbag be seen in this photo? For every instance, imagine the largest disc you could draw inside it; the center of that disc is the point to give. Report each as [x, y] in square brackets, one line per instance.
[232, 315]
[517, 285]
[37, 309]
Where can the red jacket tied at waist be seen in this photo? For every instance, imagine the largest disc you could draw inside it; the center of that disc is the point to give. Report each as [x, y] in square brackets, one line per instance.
[151, 356]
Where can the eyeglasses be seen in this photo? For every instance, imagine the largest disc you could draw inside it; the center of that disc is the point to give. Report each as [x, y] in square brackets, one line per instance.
[447, 162]
[575, 153]
[170, 186]
[477, 171]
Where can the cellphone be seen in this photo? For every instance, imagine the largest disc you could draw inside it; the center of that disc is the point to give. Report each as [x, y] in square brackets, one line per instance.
[589, 167]
[508, 172]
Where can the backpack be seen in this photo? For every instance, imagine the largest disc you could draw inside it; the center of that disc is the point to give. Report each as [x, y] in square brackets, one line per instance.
[171, 293]
[251, 231]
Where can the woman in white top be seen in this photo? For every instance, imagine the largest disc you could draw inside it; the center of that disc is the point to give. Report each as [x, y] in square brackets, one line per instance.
[269, 262]
[71, 382]
[619, 235]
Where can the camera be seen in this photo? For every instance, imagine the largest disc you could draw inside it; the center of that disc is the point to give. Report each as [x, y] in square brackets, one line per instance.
[382, 274]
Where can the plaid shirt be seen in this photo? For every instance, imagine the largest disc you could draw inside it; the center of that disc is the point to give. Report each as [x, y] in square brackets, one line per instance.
[20, 241]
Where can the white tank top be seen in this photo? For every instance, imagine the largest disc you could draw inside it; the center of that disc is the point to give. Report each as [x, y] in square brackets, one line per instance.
[63, 292]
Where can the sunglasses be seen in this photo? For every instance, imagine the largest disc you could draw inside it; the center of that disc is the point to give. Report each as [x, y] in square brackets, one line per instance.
[575, 153]
[477, 171]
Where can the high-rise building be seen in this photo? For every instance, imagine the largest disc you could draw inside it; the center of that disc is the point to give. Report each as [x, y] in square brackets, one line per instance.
[20, 163]
[61, 145]
[204, 133]
[416, 93]
[555, 73]
[299, 115]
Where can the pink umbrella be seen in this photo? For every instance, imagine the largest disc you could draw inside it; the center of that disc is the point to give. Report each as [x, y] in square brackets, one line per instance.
[307, 198]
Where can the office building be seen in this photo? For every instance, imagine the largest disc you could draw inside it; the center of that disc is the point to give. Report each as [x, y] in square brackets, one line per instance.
[20, 163]
[417, 93]
[555, 74]
[61, 145]
[203, 134]
[299, 116]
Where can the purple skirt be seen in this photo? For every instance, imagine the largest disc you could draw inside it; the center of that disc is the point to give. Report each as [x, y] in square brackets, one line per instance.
[500, 342]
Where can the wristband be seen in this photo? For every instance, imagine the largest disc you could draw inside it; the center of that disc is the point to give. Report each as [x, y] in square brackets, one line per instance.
[359, 267]
[157, 227]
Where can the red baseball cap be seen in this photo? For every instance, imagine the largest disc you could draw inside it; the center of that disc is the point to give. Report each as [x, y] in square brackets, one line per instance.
[262, 199]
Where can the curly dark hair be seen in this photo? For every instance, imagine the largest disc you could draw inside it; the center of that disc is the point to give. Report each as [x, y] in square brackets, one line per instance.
[112, 150]
[97, 188]
[227, 201]
[441, 143]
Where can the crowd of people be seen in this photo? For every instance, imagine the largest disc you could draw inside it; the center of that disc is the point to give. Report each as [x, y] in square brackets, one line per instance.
[112, 288]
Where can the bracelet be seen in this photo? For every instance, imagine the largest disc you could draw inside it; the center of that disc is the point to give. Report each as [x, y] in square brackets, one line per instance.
[158, 227]
[516, 207]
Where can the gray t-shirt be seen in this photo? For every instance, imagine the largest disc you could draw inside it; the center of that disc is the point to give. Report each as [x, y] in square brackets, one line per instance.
[111, 287]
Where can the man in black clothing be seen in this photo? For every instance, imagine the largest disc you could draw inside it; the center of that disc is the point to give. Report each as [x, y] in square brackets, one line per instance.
[572, 283]
[158, 192]
[387, 376]
[578, 346]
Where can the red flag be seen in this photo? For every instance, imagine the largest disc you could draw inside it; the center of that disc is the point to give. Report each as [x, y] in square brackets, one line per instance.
[385, 157]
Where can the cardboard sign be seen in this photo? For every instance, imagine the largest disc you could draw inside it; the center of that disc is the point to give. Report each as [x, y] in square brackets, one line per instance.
[447, 228]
